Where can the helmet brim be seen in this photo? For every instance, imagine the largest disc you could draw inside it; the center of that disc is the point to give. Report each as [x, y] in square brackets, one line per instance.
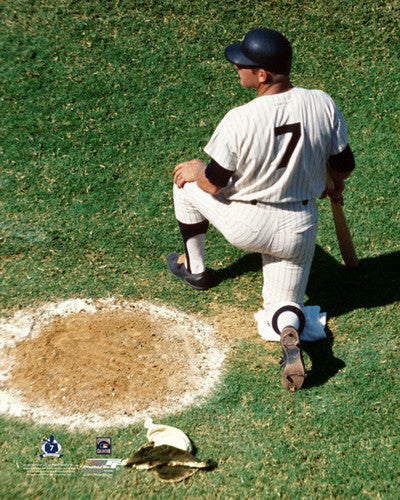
[234, 54]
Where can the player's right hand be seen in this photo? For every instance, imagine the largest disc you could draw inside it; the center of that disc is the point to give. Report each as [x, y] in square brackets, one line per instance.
[335, 193]
[187, 172]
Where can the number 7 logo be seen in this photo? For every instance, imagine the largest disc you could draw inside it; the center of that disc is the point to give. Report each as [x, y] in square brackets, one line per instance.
[295, 130]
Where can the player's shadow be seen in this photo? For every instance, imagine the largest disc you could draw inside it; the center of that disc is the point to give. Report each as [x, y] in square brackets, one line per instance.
[337, 290]
[334, 287]
[324, 364]
[250, 262]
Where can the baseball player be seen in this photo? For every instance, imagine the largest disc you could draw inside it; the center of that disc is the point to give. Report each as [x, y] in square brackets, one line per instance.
[268, 161]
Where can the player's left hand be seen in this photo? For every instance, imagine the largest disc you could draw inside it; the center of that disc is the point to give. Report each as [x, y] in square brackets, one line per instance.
[187, 172]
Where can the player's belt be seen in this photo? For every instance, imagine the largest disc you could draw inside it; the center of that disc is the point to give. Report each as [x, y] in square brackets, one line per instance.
[254, 202]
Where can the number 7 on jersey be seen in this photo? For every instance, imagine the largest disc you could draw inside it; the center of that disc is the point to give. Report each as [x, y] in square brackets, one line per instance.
[295, 130]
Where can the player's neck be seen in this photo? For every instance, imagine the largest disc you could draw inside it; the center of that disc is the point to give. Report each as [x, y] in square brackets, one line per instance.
[282, 85]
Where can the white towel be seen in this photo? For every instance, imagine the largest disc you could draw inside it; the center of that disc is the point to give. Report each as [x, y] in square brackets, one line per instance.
[313, 330]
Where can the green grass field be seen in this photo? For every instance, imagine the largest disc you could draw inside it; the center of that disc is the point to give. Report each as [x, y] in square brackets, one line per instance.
[99, 101]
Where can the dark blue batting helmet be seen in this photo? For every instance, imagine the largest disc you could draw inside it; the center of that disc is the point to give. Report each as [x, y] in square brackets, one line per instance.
[262, 48]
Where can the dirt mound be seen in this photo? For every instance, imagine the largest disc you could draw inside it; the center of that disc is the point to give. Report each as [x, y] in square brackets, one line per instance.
[89, 362]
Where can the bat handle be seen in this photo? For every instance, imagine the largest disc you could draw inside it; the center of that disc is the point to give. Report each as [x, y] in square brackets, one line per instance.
[343, 234]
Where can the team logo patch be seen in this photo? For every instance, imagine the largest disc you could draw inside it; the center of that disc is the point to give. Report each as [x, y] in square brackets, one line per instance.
[103, 446]
[51, 448]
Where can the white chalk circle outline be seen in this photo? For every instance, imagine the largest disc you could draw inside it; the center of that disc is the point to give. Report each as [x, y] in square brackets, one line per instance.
[27, 324]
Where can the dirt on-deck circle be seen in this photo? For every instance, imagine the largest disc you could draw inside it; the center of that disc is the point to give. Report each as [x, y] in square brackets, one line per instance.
[87, 363]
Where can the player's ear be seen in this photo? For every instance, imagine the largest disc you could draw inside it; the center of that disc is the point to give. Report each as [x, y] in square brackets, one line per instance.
[264, 76]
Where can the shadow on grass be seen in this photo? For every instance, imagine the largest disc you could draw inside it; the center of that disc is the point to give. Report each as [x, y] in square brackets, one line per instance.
[324, 364]
[334, 287]
[248, 263]
[337, 290]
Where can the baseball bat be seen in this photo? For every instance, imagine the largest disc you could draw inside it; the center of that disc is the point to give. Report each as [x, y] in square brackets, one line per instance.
[343, 234]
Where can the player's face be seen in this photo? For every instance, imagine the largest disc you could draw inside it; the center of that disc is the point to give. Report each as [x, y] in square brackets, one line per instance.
[248, 77]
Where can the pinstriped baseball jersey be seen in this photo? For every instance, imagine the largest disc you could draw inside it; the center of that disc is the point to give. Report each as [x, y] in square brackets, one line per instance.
[277, 146]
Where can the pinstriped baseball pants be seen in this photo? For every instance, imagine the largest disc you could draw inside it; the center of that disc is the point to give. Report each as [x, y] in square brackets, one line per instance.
[284, 234]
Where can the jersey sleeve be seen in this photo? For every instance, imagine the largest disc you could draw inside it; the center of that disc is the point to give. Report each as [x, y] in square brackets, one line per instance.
[339, 133]
[344, 161]
[217, 175]
[221, 147]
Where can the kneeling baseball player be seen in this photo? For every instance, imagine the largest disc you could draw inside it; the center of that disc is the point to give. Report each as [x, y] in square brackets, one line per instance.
[267, 167]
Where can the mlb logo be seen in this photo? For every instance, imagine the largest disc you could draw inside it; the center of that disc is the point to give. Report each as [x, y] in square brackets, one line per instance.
[103, 446]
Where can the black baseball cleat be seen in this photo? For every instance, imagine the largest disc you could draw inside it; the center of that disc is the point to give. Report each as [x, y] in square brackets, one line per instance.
[199, 281]
[292, 363]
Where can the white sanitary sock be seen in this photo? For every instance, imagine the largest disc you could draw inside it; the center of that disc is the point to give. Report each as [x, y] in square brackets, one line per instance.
[195, 249]
[288, 318]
